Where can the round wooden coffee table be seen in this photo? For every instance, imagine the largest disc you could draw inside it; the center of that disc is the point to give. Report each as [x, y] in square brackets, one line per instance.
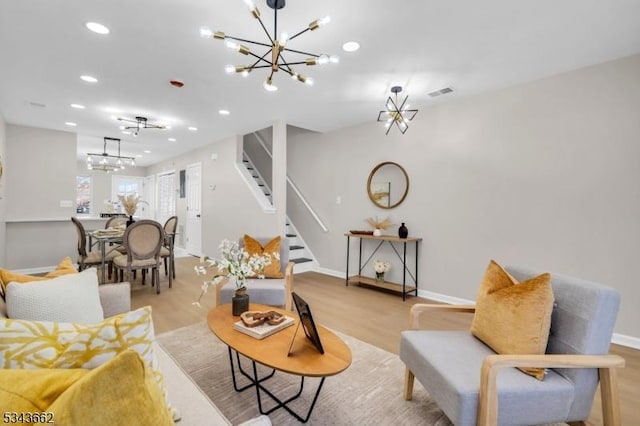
[303, 360]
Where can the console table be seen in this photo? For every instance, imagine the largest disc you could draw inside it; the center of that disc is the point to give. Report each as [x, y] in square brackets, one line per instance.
[403, 288]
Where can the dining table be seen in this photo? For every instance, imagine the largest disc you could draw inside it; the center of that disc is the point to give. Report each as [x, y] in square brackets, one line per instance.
[111, 236]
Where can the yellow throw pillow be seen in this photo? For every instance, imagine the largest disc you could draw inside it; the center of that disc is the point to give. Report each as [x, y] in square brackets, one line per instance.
[121, 391]
[43, 344]
[272, 249]
[7, 276]
[33, 391]
[512, 317]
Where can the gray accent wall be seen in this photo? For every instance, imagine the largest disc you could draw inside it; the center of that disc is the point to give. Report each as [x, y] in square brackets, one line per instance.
[544, 175]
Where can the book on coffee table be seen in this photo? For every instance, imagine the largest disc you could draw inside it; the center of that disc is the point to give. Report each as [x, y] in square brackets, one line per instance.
[263, 330]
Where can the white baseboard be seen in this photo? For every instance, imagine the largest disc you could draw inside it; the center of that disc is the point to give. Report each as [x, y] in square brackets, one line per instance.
[331, 272]
[624, 340]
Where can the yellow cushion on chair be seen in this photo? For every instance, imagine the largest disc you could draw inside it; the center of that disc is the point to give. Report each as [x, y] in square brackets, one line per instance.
[513, 317]
[120, 391]
[253, 246]
[7, 276]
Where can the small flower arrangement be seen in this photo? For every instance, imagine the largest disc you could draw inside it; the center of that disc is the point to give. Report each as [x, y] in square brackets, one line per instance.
[376, 223]
[381, 267]
[235, 263]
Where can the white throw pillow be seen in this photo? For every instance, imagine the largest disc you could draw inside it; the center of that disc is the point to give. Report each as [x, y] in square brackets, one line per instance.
[69, 298]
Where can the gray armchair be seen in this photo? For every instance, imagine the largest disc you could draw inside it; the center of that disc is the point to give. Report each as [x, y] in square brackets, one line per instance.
[461, 373]
[268, 291]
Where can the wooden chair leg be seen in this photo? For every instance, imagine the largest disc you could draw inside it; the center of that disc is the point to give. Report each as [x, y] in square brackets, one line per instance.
[144, 276]
[166, 271]
[156, 272]
[609, 396]
[408, 384]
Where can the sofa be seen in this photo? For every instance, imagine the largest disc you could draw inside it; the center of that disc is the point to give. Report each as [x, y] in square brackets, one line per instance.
[194, 406]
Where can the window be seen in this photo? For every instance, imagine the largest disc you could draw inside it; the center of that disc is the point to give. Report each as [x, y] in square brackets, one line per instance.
[166, 196]
[125, 185]
[83, 194]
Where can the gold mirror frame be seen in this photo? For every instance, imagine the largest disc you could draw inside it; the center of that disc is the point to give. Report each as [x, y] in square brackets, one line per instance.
[374, 198]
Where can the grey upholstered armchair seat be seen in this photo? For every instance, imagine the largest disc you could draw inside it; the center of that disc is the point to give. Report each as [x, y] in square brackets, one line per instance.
[268, 291]
[449, 363]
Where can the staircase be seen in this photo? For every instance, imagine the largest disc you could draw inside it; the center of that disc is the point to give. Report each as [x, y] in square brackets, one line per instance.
[298, 252]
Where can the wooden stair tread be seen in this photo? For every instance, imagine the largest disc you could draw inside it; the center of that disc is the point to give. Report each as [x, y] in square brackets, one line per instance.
[300, 260]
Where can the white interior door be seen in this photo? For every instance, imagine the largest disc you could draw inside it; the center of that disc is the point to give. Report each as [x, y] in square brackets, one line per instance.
[146, 209]
[193, 228]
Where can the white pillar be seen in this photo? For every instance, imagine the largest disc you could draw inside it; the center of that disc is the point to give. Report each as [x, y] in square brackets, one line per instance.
[279, 174]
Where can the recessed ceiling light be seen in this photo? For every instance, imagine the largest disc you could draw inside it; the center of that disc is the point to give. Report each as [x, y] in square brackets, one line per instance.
[224, 112]
[172, 139]
[193, 129]
[70, 123]
[88, 79]
[139, 155]
[146, 151]
[351, 46]
[97, 28]
[126, 132]
[77, 106]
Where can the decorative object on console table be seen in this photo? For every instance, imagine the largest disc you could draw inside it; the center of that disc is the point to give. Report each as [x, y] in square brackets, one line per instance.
[403, 232]
[379, 225]
[381, 267]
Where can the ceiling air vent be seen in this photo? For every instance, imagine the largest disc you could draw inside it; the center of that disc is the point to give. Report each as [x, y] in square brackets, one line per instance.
[37, 105]
[441, 92]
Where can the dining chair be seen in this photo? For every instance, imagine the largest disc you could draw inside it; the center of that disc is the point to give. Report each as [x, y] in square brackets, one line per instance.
[166, 252]
[88, 258]
[142, 240]
[115, 222]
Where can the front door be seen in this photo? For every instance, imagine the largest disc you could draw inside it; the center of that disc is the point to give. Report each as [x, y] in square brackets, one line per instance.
[193, 231]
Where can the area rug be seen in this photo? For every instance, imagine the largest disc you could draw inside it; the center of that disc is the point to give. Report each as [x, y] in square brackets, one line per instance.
[368, 392]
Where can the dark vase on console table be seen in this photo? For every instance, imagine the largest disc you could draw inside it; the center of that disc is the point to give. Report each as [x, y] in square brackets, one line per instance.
[403, 232]
[130, 221]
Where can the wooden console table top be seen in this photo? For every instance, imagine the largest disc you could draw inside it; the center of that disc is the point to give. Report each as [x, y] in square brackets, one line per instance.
[392, 238]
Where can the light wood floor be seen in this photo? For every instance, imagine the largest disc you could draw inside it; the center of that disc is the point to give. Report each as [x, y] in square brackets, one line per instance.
[370, 315]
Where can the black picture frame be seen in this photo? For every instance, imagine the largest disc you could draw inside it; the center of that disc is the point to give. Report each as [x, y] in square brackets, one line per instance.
[306, 319]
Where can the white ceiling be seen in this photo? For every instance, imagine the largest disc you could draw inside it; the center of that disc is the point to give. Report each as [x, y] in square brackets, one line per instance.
[422, 45]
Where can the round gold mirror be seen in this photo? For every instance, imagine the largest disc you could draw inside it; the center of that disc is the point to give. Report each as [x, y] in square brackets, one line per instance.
[388, 185]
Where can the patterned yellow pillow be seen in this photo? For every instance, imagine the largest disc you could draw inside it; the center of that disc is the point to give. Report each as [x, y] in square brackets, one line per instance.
[42, 344]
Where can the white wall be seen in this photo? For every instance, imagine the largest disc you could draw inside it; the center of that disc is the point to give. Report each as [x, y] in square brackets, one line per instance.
[229, 210]
[42, 172]
[3, 143]
[543, 174]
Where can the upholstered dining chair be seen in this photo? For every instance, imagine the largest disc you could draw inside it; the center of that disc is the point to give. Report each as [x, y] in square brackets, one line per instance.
[115, 222]
[474, 385]
[267, 291]
[166, 252]
[88, 258]
[142, 241]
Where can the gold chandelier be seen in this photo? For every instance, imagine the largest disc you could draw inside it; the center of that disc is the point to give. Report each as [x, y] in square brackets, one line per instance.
[273, 59]
[107, 162]
[397, 113]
